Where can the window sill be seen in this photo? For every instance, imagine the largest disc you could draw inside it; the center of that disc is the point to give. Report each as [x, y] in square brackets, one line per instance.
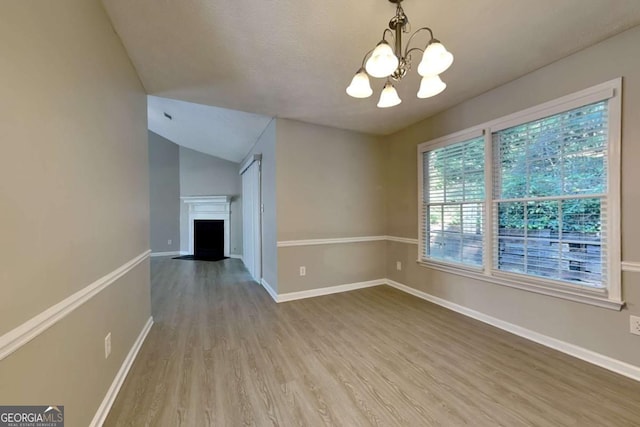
[595, 298]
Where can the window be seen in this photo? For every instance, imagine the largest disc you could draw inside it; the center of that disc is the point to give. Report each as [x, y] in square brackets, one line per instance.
[530, 200]
[454, 202]
[550, 196]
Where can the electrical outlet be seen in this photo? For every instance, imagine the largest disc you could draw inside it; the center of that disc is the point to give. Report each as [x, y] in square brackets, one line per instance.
[398, 265]
[107, 345]
[303, 270]
[169, 242]
[634, 325]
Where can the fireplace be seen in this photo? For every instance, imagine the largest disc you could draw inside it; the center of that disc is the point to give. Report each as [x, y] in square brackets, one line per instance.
[208, 239]
[208, 208]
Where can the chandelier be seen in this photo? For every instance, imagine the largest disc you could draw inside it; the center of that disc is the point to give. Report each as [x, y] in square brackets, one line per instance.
[393, 64]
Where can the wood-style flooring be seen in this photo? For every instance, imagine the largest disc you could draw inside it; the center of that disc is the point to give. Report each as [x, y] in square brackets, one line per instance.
[222, 353]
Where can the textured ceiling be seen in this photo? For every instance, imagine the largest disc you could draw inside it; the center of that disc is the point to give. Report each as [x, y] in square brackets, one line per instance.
[294, 59]
[216, 131]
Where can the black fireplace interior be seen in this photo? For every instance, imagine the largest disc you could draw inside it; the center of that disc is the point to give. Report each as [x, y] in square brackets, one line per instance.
[208, 239]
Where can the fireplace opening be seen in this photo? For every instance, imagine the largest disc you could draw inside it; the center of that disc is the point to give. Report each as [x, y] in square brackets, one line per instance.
[208, 239]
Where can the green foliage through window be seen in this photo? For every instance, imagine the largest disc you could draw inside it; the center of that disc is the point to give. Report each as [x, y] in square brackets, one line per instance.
[549, 180]
[454, 202]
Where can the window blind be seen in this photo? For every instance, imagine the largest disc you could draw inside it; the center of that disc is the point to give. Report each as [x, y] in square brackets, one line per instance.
[549, 201]
[453, 202]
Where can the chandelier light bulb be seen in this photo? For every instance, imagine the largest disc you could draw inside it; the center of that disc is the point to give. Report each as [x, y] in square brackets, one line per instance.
[435, 60]
[389, 96]
[383, 62]
[360, 87]
[431, 86]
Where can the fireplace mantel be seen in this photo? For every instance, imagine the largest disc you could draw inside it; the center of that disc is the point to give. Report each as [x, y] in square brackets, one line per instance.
[207, 200]
[208, 207]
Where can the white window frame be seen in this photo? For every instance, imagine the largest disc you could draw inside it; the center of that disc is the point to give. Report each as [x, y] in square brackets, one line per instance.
[445, 141]
[611, 297]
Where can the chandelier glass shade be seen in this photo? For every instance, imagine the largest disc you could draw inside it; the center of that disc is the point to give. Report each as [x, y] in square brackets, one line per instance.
[435, 60]
[360, 86]
[393, 63]
[431, 86]
[389, 96]
[382, 61]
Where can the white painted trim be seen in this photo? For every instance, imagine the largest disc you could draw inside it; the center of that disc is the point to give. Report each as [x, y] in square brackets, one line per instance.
[593, 94]
[22, 334]
[112, 393]
[313, 242]
[209, 208]
[206, 199]
[339, 240]
[291, 296]
[488, 242]
[406, 240]
[614, 190]
[420, 198]
[454, 138]
[236, 256]
[622, 368]
[269, 289]
[251, 160]
[631, 266]
[174, 253]
[611, 91]
[598, 299]
[183, 253]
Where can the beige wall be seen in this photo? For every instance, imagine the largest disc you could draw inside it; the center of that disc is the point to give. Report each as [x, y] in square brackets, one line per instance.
[205, 175]
[330, 185]
[330, 182]
[266, 145]
[597, 329]
[164, 194]
[330, 265]
[66, 363]
[74, 199]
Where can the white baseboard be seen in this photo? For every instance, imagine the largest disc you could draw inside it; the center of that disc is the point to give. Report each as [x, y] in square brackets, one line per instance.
[236, 256]
[29, 330]
[291, 296]
[598, 359]
[112, 393]
[269, 289]
[174, 253]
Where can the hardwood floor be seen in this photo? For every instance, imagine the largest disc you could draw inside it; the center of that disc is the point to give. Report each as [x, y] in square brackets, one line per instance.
[222, 353]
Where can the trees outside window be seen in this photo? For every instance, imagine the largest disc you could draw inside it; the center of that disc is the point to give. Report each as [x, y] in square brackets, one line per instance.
[530, 200]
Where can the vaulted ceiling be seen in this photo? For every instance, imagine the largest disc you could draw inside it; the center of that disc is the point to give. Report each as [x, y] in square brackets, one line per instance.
[294, 59]
[219, 132]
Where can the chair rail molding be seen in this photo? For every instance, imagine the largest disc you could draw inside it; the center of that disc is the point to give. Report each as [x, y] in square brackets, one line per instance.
[631, 266]
[24, 333]
[340, 240]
